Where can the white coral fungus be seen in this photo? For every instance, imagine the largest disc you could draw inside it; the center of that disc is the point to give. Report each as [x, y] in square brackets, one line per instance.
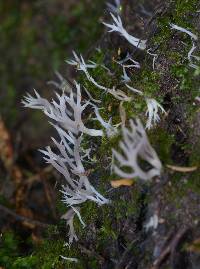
[183, 30]
[197, 99]
[131, 63]
[193, 38]
[69, 259]
[69, 218]
[68, 162]
[152, 108]
[155, 57]
[109, 128]
[66, 113]
[192, 57]
[134, 90]
[63, 84]
[82, 66]
[117, 26]
[125, 77]
[152, 112]
[116, 7]
[152, 223]
[66, 110]
[135, 147]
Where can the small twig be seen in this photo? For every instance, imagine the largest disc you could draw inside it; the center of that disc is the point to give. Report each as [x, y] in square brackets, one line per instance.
[170, 248]
[176, 242]
[162, 257]
[22, 218]
[37, 176]
[124, 256]
[91, 253]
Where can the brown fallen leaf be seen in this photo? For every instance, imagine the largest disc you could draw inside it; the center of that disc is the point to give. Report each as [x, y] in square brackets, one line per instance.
[121, 182]
[182, 168]
[7, 157]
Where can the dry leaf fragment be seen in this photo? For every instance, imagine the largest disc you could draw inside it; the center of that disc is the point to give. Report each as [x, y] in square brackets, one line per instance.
[182, 168]
[36, 239]
[195, 246]
[121, 182]
[6, 148]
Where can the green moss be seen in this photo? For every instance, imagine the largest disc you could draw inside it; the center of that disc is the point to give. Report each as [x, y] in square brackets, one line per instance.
[149, 82]
[188, 88]
[186, 6]
[162, 142]
[107, 145]
[8, 246]
[181, 183]
[179, 12]
[175, 57]
[11, 255]
[163, 33]
[49, 252]
[103, 226]
[25, 262]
